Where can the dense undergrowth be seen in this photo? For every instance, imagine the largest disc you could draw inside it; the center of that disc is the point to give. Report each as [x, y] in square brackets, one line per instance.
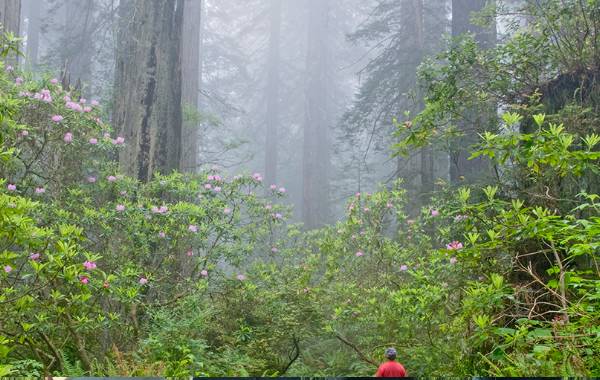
[202, 275]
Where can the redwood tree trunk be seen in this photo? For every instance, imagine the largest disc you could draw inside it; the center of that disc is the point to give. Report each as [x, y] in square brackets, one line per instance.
[190, 70]
[273, 82]
[316, 149]
[148, 86]
[34, 10]
[77, 41]
[461, 167]
[10, 15]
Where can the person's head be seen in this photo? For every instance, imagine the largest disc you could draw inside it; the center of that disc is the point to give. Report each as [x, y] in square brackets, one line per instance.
[391, 353]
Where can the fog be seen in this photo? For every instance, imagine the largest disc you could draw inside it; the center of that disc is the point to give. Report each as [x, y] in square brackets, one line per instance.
[304, 92]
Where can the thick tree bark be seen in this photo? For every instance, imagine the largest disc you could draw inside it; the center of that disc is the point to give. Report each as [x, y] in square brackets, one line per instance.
[190, 70]
[461, 167]
[273, 83]
[10, 15]
[147, 109]
[34, 9]
[316, 149]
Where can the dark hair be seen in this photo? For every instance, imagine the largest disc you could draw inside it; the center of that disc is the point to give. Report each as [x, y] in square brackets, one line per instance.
[391, 353]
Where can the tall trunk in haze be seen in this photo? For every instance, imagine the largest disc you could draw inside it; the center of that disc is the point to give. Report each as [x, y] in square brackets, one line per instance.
[34, 9]
[10, 15]
[147, 99]
[315, 155]
[273, 83]
[190, 71]
[460, 166]
[427, 173]
[78, 44]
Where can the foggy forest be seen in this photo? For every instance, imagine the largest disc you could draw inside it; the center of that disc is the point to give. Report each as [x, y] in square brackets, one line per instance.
[226, 188]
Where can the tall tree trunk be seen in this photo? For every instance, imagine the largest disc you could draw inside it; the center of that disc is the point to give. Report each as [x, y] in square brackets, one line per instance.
[426, 153]
[148, 86]
[315, 158]
[461, 167]
[34, 9]
[77, 40]
[190, 71]
[10, 15]
[273, 83]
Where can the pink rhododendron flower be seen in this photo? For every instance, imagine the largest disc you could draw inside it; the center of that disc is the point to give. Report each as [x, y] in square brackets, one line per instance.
[282, 190]
[8, 268]
[274, 250]
[359, 254]
[82, 100]
[278, 216]
[306, 290]
[163, 209]
[217, 177]
[94, 103]
[204, 272]
[111, 178]
[273, 187]
[54, 81]
[193, 228]
[227, 211]
[106, 135]
[74, 106]
[93, 141]
[57, 118]
[268, 207]
[453, 260]
[155, 210]
[161, 234]
[207, 186]
[435, 213]
[68, 137]
[89, 265]
[120, 208]
[403, 267]
[67, 98]
[91, 179]
[40, 190]
[87, 109]
[24, 133]
[257, 177]
[119, 140]
[34, 256]
[210, 177]
[143, 281]
[9, 68]
[84, 280]
[44, 95]
[190, 253]
[389, 205]
[123, 193]
[240, 277]
[18, 80]
[357, 195]
[366, 209]
[454, 245]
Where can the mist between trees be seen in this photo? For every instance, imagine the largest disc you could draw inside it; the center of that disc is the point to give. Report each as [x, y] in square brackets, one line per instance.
[290, 186]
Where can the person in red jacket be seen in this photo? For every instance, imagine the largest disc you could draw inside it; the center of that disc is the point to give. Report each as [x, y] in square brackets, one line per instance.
[391, 368]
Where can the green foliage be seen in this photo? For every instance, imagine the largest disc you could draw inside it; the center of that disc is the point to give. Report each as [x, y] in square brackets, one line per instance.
[198, 275]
